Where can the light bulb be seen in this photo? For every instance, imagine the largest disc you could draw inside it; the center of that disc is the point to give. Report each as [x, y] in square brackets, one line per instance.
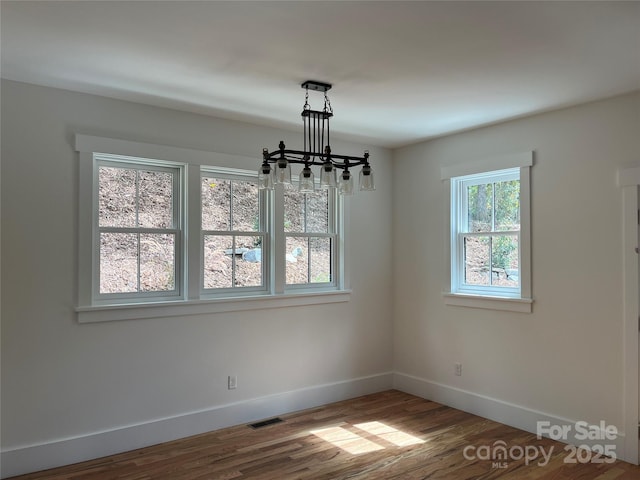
[265, 177]
[345, 186]
[283, 171]
[366, 179]
[328, 176]
[306, 183]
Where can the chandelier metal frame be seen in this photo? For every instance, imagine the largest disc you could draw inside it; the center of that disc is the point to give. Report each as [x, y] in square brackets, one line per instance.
[317, 152]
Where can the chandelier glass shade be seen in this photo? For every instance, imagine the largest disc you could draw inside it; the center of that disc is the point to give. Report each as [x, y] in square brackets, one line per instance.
[335, 170]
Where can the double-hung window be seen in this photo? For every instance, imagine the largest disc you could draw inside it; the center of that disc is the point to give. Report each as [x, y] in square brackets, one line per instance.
[310, 237]
[140, 230]
[234, 233]
[169, 231]
[489, 236]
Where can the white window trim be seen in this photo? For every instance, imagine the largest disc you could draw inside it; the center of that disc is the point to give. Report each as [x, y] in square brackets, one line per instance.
[524, 302]
[192, 302]
[93, 314]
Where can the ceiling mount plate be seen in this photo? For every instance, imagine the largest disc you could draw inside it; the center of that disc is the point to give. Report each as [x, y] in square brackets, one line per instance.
[317, 86]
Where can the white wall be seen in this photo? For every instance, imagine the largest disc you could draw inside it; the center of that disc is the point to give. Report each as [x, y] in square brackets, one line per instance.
[62, 379]
[565, 359]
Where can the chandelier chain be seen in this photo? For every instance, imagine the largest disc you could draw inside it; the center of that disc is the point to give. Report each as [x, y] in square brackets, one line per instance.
[327, 103]
[306, 105]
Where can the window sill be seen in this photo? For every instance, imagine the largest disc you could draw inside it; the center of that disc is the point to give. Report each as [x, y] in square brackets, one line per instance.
[520, 305]
[93, 314]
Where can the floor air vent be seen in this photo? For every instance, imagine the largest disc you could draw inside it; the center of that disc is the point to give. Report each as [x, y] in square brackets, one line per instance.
[265, 423]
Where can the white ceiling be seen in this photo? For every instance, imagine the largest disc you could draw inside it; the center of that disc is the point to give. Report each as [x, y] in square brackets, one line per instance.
[401, 71]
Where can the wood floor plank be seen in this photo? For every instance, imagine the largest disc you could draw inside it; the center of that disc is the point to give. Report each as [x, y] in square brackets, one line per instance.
[386, 436]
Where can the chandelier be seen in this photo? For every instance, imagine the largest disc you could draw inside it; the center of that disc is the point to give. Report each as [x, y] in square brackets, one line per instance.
[276, 165]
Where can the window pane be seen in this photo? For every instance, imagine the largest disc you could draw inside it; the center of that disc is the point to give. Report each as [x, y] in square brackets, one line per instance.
[294, 207]
[306, 212]
[318, 212]
[157, 262]
[480, 200]
[504, 261]
[507, 208]
[155, 196]
[216, 204]
[245, 209]
[476, 260]
[118, 262]
[249, 264]
[117, 197]
[320, 249]
[297, 259]
[218, 261]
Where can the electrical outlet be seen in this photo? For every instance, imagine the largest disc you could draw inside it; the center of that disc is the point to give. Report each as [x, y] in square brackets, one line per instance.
[232, 382]
[458, 369]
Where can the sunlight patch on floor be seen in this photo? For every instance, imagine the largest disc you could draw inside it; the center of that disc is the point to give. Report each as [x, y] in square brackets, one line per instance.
[390, 434]
[346, 440]
[356, 444]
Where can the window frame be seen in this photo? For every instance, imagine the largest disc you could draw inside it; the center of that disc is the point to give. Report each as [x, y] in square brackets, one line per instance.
[192, 300]
[178, 229]
[489, 298]
[460, 231]
[265, 231]
[334, 228]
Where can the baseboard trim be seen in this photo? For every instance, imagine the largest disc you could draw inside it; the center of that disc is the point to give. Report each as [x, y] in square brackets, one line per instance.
[33, 458]
[506, 413]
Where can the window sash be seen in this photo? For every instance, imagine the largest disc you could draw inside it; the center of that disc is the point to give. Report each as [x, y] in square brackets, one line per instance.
[463, 286]
[332, 261]
[140, 293]
[488, 178]
[330, 208]
[215, 291]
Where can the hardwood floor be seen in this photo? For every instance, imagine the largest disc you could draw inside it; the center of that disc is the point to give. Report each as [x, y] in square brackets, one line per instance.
[388, 435]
